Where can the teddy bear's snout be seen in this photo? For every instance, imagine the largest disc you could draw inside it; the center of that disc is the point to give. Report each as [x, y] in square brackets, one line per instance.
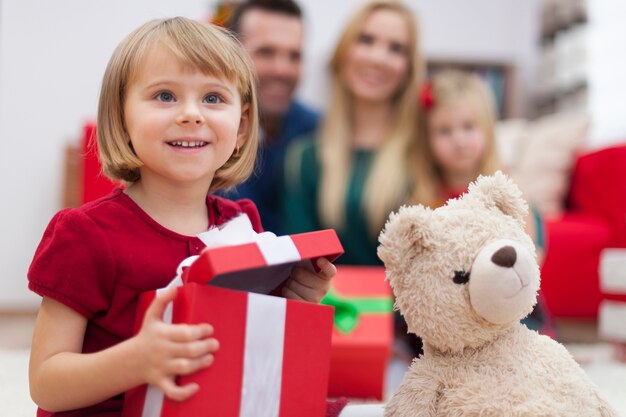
[504, 281]
[505, 257]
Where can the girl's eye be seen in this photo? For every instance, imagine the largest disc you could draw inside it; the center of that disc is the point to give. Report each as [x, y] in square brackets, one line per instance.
[165, 96]
[443, 131]
[213, 99]
[365, 39]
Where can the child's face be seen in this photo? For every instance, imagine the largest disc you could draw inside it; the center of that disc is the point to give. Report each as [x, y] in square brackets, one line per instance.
[183, 124]
[377, 63]
[456, 138]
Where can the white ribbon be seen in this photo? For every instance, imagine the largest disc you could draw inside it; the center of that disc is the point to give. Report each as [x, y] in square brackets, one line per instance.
[279, 250]
[236, 231]
[153, 403]
[263, 356]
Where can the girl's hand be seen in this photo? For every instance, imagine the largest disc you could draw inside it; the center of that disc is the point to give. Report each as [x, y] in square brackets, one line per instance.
[167, 350]
[309, 286]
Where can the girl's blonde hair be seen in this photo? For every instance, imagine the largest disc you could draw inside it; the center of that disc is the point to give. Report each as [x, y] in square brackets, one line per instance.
[207, 48]
[454, 87]
[387, 184]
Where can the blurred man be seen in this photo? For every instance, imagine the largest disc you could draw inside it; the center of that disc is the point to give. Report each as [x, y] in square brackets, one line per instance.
[272, 32]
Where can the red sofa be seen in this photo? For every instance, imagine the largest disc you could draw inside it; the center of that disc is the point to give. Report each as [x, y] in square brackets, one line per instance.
[595, 219]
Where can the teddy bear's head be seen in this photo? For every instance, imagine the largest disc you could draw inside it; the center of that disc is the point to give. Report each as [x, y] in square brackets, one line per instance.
[466, 272]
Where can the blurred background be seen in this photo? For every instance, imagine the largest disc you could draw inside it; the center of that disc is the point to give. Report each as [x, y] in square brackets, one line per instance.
[540, 56]
[554, 66]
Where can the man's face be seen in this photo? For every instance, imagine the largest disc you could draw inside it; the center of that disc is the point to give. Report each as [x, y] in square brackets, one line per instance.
[274, 42]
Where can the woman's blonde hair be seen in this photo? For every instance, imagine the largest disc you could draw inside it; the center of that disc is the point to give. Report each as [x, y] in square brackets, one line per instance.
[387, 184]
[207, 48]
[454, 87]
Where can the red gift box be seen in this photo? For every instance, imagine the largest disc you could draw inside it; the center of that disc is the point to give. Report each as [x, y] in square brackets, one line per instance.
[363, 332]
[274, 353]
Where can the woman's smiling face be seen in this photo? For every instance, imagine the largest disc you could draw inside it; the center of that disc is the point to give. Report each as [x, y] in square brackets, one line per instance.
[377, 62]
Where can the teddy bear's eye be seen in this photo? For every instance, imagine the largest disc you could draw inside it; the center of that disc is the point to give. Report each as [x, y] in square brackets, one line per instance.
[461, 277]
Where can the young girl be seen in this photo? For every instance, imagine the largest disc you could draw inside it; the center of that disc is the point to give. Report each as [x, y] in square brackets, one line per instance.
[457, 144]
[177, 120]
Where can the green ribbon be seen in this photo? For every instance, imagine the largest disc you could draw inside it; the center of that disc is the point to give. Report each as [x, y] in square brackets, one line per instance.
[348, 310]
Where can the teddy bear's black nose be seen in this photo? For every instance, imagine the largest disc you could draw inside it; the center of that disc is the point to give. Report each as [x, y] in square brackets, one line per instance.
[505, 257]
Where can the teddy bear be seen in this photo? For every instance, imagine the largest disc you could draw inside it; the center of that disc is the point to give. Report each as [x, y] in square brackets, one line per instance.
[463, 276]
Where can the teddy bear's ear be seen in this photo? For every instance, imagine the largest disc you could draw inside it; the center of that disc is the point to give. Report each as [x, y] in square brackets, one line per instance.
[499, 191]
[406, 232]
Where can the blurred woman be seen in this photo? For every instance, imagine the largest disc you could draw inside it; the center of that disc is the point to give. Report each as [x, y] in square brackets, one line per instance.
[356, 170]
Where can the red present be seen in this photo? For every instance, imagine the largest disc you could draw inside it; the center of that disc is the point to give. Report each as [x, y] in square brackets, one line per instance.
[363, 332]
[273, 357]
[274, 353]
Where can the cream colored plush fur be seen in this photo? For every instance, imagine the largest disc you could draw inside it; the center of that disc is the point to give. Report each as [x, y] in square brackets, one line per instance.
[478, 359]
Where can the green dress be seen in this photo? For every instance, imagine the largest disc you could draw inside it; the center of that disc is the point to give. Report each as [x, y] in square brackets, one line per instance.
[302, 172]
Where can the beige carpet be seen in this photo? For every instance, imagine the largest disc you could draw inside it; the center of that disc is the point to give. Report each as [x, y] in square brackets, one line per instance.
[597, 359]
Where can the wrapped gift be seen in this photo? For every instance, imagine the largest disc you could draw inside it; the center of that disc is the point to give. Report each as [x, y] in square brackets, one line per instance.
[362, 333]
[261, 266]
[612, 315]
[274, 353]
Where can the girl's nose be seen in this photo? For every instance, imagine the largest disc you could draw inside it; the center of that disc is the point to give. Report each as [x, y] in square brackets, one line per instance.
[190, 115]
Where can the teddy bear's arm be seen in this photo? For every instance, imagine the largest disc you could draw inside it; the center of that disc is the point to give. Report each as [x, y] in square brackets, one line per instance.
[417, 396]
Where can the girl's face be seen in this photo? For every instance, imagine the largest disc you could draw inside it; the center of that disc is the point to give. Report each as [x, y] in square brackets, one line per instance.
[457, 140]
[377, 63]
[183, 125]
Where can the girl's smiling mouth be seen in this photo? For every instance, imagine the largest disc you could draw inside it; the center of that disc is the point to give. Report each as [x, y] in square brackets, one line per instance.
[187, 143]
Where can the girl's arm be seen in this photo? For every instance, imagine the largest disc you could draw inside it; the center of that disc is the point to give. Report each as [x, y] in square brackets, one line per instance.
[62, 378]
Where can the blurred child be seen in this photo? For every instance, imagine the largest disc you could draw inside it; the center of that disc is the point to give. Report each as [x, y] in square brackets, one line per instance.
[457, 144]
[177, 119]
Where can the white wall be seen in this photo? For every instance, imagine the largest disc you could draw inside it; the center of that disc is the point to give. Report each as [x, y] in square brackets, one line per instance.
[53, 54]
[607, 67]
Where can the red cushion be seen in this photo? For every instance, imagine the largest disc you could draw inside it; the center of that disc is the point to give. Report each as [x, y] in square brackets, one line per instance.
[599, 187]
[95, 184]
[569, 275]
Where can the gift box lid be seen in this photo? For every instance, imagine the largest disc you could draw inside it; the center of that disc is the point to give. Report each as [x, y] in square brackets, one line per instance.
[263, 265]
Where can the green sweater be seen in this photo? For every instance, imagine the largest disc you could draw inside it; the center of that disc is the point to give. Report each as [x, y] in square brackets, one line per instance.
[300, 196]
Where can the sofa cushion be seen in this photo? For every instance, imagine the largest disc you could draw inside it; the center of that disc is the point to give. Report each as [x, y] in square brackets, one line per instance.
[551, 146]
[599, 187]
